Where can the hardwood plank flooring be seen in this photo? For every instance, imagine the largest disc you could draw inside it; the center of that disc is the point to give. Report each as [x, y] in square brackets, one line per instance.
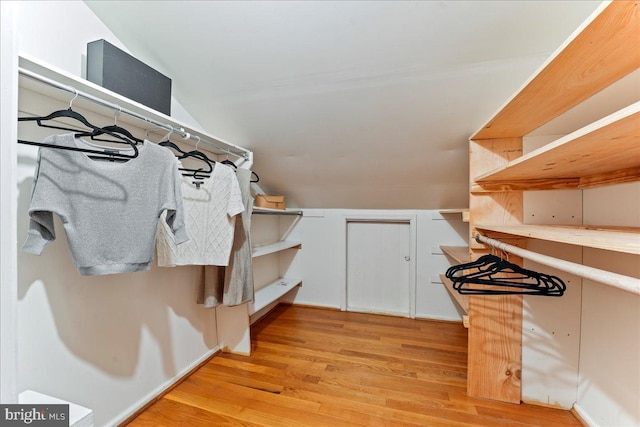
[317, 367]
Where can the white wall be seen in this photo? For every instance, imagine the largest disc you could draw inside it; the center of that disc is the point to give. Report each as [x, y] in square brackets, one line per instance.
[8, 211]
[321, 262]
[583, 349]
[57, 32]
[609, 382]
[107, 342]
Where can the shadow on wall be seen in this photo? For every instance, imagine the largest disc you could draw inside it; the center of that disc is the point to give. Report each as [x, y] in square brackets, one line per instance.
[101, 319]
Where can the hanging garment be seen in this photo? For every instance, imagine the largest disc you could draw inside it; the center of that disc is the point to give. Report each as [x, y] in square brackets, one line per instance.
[210, 285]
[110, 211]
[238, 278]
[232, 285]
[210, 216]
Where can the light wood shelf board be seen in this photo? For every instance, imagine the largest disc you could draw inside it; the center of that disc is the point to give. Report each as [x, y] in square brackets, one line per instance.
[528, 185]
[275, 247]
[581, 153]
[574, 72]
[463, 212]
[462, 300]
[619, 177]
[458, 253]
[618, 239]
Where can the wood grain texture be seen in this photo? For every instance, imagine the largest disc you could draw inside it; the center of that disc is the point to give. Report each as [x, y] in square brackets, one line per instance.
[578, 70]
[494, 207]
[462, 300]
[318, 367]
[610, 178]
[460, 254]
[532, 184]
[618, 239]
[581, 153]
[495, 322]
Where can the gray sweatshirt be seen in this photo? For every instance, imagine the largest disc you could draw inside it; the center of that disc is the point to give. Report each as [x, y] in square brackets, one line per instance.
[110, 210]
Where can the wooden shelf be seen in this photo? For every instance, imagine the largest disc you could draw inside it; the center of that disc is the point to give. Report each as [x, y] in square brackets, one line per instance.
[272, 293]
[618, 239]
[462, 300]
[268, 211]
[581, 154]
[275, 247]
[464, 212]
[458, 253]
[574, 72]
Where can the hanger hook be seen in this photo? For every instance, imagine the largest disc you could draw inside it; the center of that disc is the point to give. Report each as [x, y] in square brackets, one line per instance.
[168, 135]
[115, 118]
[197, 142]
[504, 252]
[74, 98]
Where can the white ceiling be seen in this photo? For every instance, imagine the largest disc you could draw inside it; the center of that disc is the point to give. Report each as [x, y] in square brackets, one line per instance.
[347, 104]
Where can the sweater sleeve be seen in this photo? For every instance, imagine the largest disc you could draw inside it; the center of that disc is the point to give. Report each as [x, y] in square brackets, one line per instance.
[175, 217]
[235, 198]
[41, 230]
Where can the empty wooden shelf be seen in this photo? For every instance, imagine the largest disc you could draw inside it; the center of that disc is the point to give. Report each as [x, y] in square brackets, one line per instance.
[458, 253]
[619, 239]
[580, 159]
[599, 53]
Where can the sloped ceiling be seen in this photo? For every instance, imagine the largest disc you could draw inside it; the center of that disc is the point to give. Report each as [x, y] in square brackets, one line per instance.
[363, 105]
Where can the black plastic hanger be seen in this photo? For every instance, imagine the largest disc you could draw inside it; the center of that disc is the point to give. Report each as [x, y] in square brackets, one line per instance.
[105, 153]
[235, 168]
[114, 128]
[500, 277]
[229, 163]
[199, 173]
[484, 261]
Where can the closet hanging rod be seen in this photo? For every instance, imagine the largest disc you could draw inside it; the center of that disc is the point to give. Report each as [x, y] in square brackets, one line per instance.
[236, 151]
[626, 283]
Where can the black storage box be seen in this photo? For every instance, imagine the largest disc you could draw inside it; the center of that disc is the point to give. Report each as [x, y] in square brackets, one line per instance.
[120, 72]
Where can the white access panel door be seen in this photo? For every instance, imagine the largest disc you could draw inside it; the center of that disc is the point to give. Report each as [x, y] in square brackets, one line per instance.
[378, 267]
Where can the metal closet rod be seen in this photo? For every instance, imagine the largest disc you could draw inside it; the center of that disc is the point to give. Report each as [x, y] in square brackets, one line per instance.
[178, 131]
[626, 283]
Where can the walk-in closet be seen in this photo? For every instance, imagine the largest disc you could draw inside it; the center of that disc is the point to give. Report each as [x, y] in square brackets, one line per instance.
[318, 213]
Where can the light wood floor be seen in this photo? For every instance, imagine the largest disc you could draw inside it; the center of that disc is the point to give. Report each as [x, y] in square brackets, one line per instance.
[315, 367]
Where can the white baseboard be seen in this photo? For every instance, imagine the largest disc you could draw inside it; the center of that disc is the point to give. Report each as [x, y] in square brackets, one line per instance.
[585, 417]
[160, 389]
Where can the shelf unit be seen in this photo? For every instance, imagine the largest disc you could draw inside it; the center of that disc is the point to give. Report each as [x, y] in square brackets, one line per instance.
[268, 295]
[603, 50]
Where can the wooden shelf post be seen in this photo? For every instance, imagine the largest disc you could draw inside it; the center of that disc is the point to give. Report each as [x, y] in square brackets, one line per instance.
[495, 322]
